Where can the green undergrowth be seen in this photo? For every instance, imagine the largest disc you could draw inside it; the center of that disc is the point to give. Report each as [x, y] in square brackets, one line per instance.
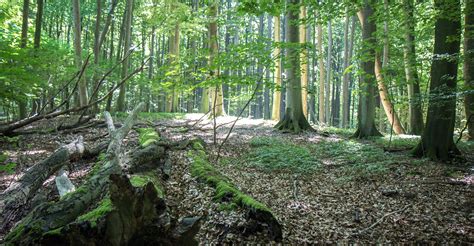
[205, 171]
[343, 132]
[147, 136]
[105, 206]
[140, 180]
[397, 142]
[273, 153]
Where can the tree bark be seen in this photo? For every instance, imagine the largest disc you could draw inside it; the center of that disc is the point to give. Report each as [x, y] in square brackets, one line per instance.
[327, 103]
[345, 78]
[322, 77]
[437, 140]
[38, 23]
[294, 119]
[76, 14]
[304, 62]
[411, 74]
[217, 98]
[385, 99]
[366, 112]
[277, 73]
[126, 49]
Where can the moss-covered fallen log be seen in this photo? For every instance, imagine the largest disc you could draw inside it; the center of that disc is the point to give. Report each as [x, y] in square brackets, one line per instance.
[229, 193]
[18, 195]
[50, 216]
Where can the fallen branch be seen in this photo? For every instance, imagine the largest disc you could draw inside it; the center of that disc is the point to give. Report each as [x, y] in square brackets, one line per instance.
[382, 219]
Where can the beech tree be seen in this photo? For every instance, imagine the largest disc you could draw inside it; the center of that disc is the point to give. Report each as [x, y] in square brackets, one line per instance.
[469, 66]
[437, 140]
[366, 112]
[294, 119]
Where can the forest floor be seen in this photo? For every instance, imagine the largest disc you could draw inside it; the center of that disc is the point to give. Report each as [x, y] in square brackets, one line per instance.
[323, 187]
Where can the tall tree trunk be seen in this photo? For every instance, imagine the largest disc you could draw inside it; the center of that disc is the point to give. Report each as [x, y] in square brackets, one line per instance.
[322, 76]
[294, 119]
[411, 74]
[24, 23]
[328, 75]
[366, 116]
[126, 48]
[76, 14]
[217, 99]
[277, 73]
[24, 38]
[469, 65]
[304, 62]
[266, 93]
[38, 22]
[345, 78]
[437, 139]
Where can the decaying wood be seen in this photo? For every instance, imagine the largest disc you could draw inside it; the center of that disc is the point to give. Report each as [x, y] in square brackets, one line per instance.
[47, 217]
[18, 194]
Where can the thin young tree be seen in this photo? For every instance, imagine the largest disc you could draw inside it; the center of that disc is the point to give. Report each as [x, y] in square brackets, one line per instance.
[294, 119]
[437, 139]
[126, 48]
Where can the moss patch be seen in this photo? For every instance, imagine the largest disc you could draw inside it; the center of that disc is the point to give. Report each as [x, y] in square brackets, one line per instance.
[140, 180]
[202, 169]
[147, 136]
[105, 206]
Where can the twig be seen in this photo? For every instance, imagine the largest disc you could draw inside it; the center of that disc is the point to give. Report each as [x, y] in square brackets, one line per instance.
[382, 219]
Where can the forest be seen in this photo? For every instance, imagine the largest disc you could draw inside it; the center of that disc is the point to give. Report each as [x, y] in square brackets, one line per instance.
[204, 122]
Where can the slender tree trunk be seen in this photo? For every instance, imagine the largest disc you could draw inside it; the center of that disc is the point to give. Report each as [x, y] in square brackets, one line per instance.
[266, 93]
[385, 99]
[39, 20]
[469, 65]
[304, 62]
[345, 79]
[24, 24]
[328, 75]
[413, 81]
[76, 14]
[23, 41]
[322, 77]
[126, 48]
[351, 80]
[217, 99]
[294, 119]
[437, 139]
[366, 116]
[277, 73]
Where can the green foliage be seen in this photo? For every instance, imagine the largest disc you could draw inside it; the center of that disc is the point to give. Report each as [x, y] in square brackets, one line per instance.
[147, 136]
[272, 153]
[9, 168]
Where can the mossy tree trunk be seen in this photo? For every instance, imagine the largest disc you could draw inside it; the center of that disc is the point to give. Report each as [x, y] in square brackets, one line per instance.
[294, 119]
[366, 112]
[437, 140]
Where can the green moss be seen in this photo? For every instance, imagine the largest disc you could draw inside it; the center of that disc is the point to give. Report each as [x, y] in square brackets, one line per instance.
[147, 136]
[140, 180]
[105, 206]
[15, 233]
[54, 232]
[202, 169]
[81, 189]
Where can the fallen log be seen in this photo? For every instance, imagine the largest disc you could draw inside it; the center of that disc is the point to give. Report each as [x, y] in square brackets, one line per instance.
[259, 216]
[50, 216]
[17, 195]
